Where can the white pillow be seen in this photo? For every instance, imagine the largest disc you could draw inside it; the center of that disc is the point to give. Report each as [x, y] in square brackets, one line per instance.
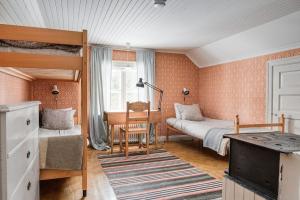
[59, 119]
[177, 112]
[190, 112]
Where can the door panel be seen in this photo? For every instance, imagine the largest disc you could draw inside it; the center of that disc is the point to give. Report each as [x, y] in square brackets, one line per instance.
[286, 93]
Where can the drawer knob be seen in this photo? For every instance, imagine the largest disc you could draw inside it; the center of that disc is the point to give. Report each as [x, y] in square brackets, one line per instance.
[28, 185]
[28, 154]
[28, 122]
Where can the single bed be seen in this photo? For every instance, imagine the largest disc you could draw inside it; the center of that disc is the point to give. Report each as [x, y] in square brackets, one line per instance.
[209, 130]
[61, 149]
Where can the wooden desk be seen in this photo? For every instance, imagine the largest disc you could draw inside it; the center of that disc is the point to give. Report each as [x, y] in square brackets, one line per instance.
[119, 118]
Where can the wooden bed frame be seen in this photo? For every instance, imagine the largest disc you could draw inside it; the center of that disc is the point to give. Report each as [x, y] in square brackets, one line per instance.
[280, 124]
[42, 61]
[238, 126]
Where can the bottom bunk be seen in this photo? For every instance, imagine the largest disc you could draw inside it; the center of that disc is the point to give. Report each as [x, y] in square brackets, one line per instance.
[60, 150]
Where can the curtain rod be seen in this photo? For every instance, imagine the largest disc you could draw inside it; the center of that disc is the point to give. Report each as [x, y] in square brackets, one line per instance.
[121, 48]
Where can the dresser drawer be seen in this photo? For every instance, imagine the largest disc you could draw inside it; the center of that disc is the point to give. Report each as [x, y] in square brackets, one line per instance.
[28, 188]
[19, 160]
[19, 123]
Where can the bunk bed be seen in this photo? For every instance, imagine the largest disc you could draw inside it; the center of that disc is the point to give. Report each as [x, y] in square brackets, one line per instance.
[22, 54]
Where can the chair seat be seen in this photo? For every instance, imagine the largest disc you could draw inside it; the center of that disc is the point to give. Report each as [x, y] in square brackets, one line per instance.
[134, 130]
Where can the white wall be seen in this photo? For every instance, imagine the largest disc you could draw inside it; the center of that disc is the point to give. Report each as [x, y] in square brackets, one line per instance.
[278, 35]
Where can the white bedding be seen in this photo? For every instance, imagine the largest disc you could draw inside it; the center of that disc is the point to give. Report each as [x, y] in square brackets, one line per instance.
[76, 130]
[199, 129]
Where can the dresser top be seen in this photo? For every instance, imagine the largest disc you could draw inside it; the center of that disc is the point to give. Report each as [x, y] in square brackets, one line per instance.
[12, 107]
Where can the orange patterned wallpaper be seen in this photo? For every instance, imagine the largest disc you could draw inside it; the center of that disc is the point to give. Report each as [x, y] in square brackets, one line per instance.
[173, 72]
[13, 89]
[69, 94]
[237, 87]
[123, 55]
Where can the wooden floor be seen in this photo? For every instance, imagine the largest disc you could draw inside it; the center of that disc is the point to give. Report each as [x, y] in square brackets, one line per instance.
[98, 185]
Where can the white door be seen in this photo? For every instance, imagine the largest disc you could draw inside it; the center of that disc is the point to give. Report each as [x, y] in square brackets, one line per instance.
[284, 92]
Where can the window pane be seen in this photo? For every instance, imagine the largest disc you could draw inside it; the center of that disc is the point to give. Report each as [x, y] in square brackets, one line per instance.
[131, 79]
[131, 96]
[115, 101]
[116, 80]
[123, 84]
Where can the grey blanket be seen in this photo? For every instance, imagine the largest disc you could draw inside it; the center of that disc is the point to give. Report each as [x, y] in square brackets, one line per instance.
[214, 137]
[61, 152]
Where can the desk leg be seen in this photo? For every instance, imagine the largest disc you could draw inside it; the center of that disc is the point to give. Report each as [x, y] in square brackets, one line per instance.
[107, 133]
[112, 134]
[156, 134]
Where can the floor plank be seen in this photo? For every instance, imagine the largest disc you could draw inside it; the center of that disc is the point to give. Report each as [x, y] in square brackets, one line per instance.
[99, 187]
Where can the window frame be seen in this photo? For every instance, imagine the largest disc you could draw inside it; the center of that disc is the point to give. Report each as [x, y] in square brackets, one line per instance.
[123, 90]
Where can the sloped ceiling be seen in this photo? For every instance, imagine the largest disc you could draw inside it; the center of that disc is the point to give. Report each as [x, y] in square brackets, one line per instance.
[278, 35]
[181, 25]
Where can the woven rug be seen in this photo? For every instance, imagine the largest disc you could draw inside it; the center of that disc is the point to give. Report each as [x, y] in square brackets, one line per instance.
[159, 175]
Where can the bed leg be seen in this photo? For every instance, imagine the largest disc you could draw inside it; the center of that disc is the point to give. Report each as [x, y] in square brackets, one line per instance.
[84, 183]
[167, 134]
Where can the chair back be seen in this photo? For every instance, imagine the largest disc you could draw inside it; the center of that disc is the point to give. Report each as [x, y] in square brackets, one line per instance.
[137, 113]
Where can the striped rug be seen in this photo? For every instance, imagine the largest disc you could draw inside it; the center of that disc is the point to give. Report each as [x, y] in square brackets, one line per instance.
[159, 175]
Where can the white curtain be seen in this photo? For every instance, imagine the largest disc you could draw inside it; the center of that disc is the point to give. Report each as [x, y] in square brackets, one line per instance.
[100, 77]
[145, 61]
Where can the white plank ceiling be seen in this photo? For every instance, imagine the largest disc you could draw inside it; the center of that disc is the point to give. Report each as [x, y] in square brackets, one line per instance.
[180, 25]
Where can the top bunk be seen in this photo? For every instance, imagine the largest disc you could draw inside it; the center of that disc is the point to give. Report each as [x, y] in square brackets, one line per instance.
[40, 53]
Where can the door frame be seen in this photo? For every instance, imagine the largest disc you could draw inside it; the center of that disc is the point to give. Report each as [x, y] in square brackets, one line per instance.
[269, 83]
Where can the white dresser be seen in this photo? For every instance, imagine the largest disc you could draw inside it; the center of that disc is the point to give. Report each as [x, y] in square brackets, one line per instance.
[19, 161]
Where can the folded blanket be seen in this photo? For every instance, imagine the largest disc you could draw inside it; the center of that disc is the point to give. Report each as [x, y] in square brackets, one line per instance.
[61, 152]
[213, 139]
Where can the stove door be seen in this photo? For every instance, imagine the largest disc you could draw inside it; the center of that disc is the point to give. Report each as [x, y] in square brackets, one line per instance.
[289, 178]
[255, 166]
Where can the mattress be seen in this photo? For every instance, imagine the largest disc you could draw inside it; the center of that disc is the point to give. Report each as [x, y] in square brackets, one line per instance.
[198, 129]
[61, 149]
[76, 130]
[38, 47]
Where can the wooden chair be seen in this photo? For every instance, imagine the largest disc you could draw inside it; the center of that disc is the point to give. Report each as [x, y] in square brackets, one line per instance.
[280, 124]
[138, 113]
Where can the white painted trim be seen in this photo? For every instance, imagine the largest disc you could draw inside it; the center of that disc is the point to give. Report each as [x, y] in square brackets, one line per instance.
[172, 51]
[269, 91]
[280, 61]
[269, 81]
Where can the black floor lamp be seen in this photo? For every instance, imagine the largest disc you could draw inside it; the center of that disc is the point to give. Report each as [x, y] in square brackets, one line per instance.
[141, 84]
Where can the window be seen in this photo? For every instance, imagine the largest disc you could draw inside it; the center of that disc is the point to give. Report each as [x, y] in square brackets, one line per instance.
[123, 84]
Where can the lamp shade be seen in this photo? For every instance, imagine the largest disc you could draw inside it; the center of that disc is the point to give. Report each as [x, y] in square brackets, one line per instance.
[140, 83]
[185, 91]
[55, 90]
